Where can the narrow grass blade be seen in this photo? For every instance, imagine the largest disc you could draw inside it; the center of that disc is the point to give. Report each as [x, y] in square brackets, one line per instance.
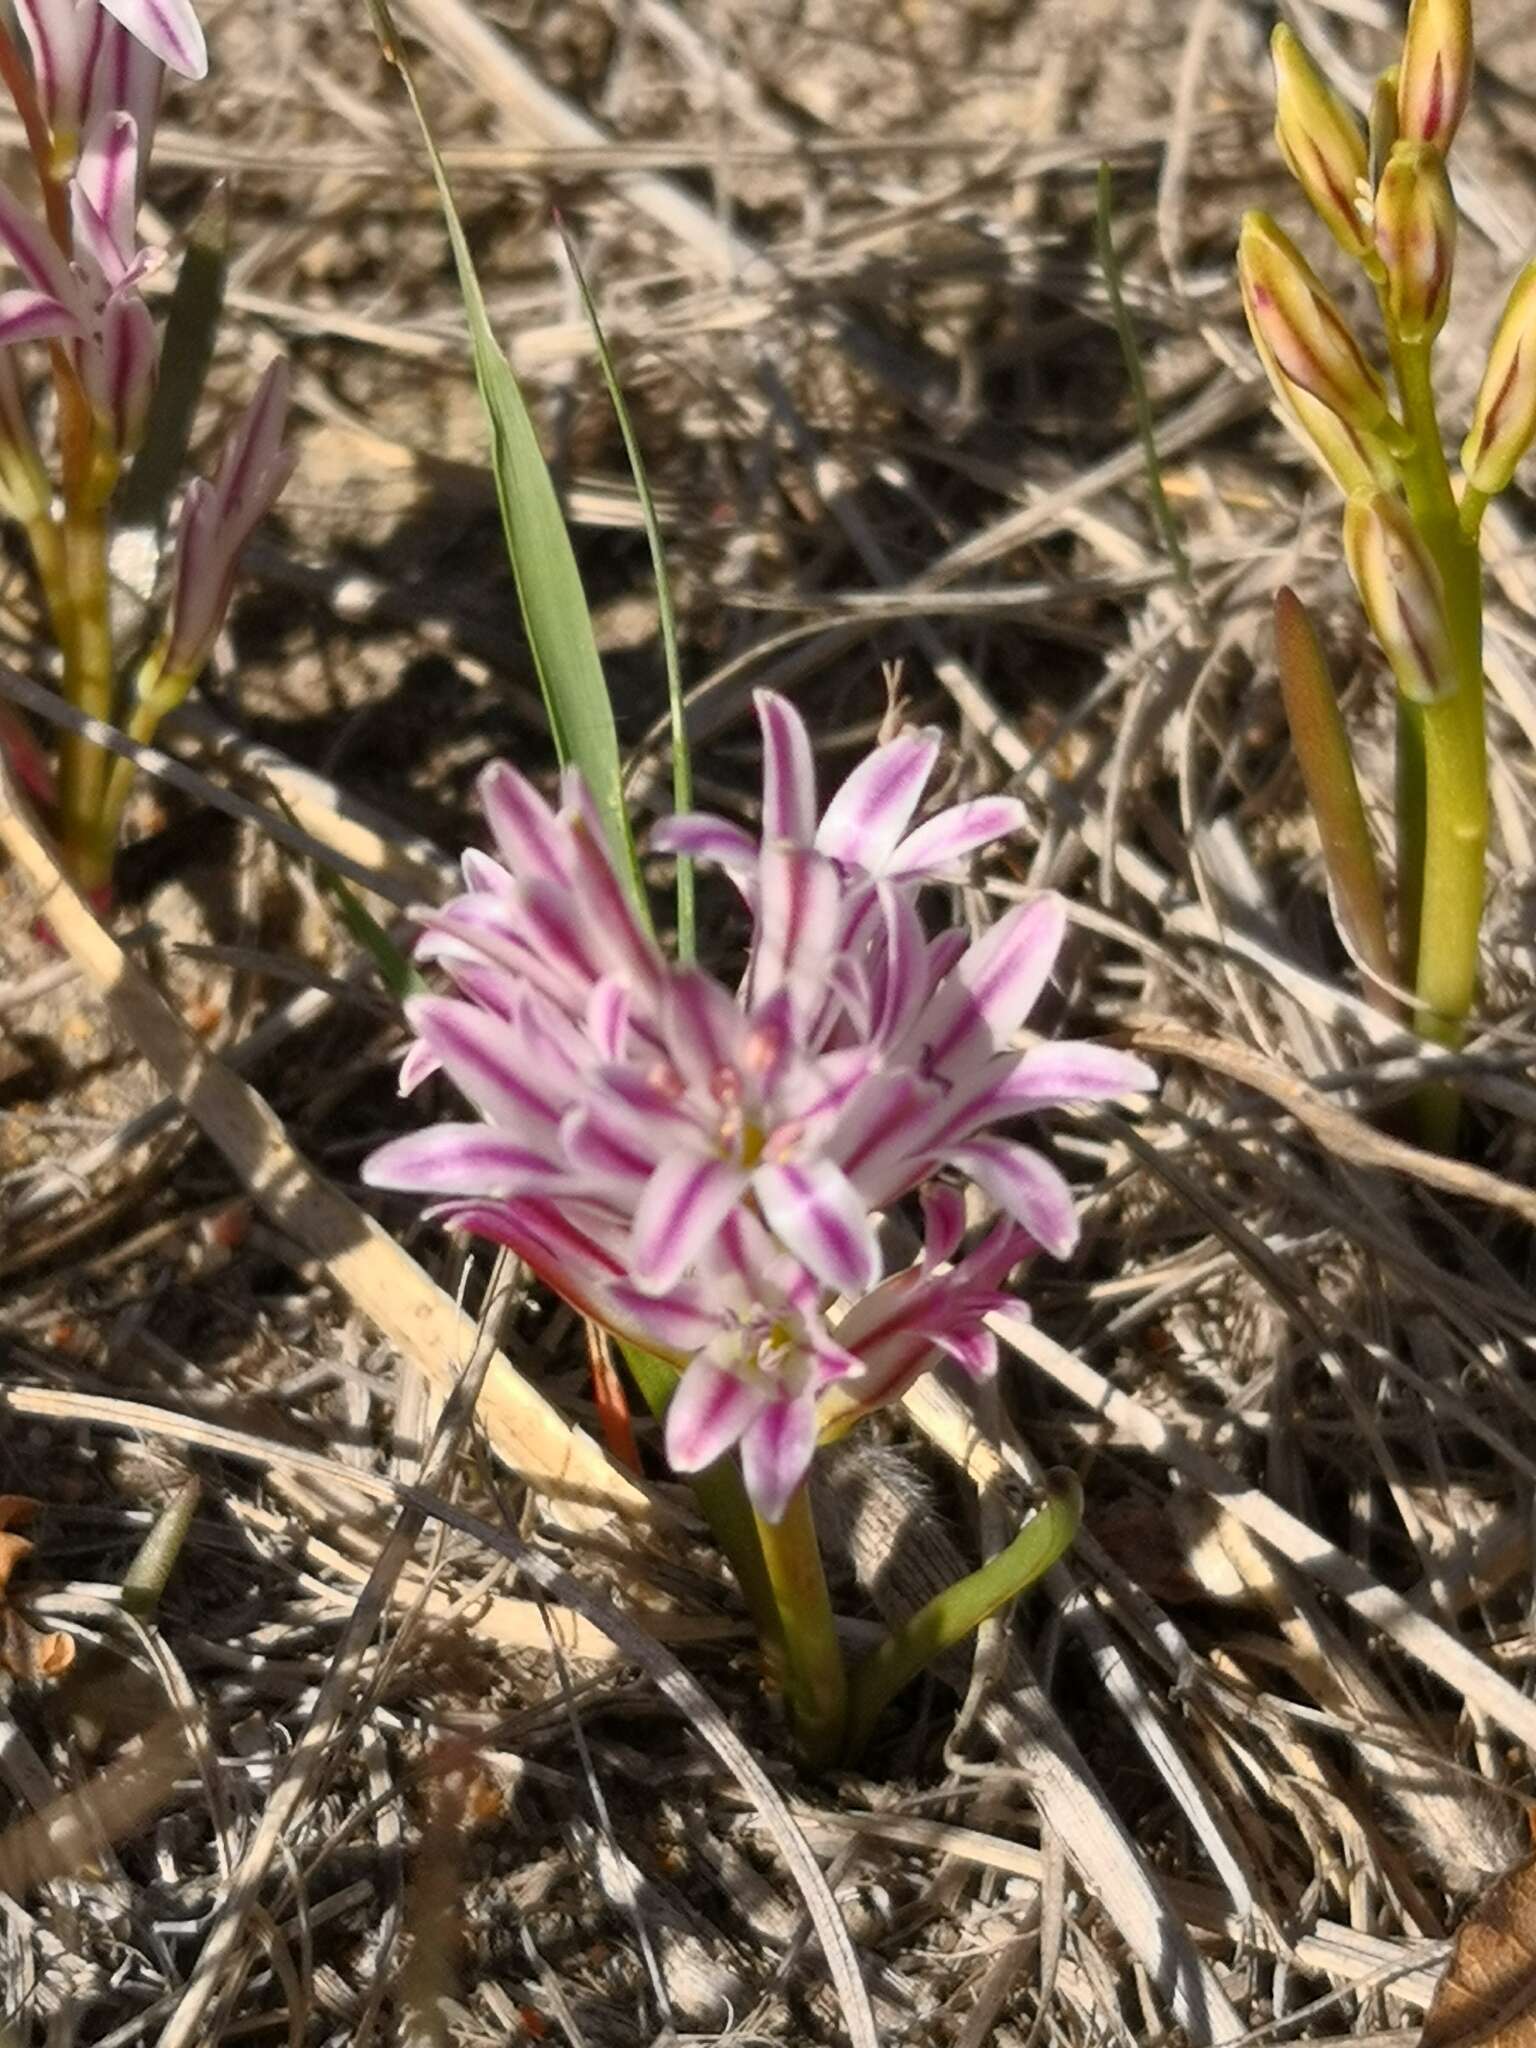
[953, 1614]
[682, 763]
[1162, 511]
[394, 967]
[1322, 753]
[556, 616]
[191, 328]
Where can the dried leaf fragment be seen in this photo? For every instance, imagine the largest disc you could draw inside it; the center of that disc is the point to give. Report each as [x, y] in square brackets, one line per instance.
[1487, 1997]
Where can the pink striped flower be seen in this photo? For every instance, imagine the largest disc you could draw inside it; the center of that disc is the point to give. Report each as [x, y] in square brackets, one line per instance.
[705, 1170]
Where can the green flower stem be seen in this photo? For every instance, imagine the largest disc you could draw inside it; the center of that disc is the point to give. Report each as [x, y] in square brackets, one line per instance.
[1455, 771]
[815, 1683]
[86, 637]
[955, 1613]
[722, 1501]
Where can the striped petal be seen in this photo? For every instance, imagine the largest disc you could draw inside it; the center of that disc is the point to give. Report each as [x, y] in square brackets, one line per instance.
[168, 28]
[817, 1214]
[796, 928]
[702, 837]
[1072, 1070]
[948, 838]
[36, 254]
[707, 1415]
[1025, 1186]
[104, 195]
[865, 820]
[684, 1203]
[995, 984]
[481, 1055]
[460, 1159]
[33, 316]
[704, 1028]
[789, 771]
[527, 836]
[776, 1451]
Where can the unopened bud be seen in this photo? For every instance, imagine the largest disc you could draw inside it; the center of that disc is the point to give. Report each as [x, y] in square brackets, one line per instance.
[1322, 143]
[1381, 126]
[1416, 239]
[1295, 321]
[1403, 595]
[1435, 80]
[1504, 417]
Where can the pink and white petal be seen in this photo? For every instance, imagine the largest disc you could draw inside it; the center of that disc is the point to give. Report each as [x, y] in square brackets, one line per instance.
[685, 1202]
[120, 76]
[1025, 1186]
[622, 943]
[130, 351]
[866, 819]
[608, 1016]
[254, 466]
[105, 196]
[605, 1146]
[879, 1139]
[707, 1415]
[54, 32]
[528, 837]
[776, 1452]
[26, 315]
[974, 1349]
[674, 1325]
[1072, 1070]
[461, 1159]
[703, 1028]
[789, 771]
[994, 985]
[37, 255]
[946, 839]
[797, 924]
[702, 837]
[482, 875]
[943, 1222]
[420, 1064]
[484, 1057]
[904, 981]
[168, 28]
[817, 1214]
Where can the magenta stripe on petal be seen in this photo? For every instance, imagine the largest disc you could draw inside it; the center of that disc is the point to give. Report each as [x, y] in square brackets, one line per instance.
[873, 808]
[523, 825]
[703, 1026]
[105, 193]
[460, 1159]
[1072, 1070]
[814, 1210]
[481, 1054]
[789, 771]
[776, 1455]
[953, 834]
[702, 837]
[26, 315]
[707, 1415]
[685, 1202]
[167, 27]
[1026, 1186]
[997, 981]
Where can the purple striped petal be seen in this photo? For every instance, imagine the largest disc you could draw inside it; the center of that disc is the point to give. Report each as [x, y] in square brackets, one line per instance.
[56, 40]
[903, 965]
[685, 1202]
[1026, 1186]
[482, 1055]
[702, 837]
[120, 77]
[420, 1064]
[674, 1325]
[796, 928]
[482, 875]
[36, 254]
[789, 771]
[874, 807]
[168, 28]
[948, 838]
[460, 1159]
[703, 1028]
[776, 1451]
[1072, 1070]
[943, 1222]
[104, 196]
[996, 983]
[974, 1350]
[601, 1144]
[527, 837]
[816, 1213]
[26, 315]
[707, 1415]
[130, 349]
[608, 1016]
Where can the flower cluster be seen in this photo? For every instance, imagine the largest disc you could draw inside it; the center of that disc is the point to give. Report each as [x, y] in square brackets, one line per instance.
[704, 1171]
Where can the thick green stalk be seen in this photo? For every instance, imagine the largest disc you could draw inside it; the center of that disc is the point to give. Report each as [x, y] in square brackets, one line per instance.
[83, 620]
[1455, 771]
[815, 1683]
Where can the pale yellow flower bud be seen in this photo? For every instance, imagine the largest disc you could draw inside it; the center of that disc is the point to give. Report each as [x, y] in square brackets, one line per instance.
[1416, 239]
[1296, 323]
[1504, 417]
[1403, 595]
[1435, 80]
[1322, 143]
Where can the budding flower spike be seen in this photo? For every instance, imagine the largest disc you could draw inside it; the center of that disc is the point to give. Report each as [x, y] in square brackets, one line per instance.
[1410, 541]
[89, 112]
